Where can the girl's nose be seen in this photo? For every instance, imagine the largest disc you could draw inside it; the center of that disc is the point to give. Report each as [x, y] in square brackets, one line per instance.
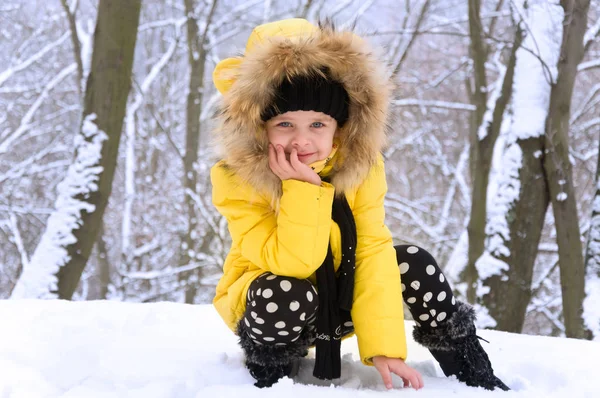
[299, 140]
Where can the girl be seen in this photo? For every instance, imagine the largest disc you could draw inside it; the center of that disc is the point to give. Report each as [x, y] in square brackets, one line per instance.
[302, 185]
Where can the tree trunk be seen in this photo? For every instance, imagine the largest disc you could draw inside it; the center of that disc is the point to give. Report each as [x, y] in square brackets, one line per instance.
[106, 94]
[510, 290]
[559, 170]
[478, 162]
[197, 59]
[484, 133]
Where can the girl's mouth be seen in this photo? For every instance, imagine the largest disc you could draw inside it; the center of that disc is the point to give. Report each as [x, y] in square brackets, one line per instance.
[305, 155]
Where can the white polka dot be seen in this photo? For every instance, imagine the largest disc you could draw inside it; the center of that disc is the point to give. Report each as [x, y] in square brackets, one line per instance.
[415, 285]
[427, 296]
[424, 305]
[453, 301]
[418, 324]
[432, 312]
[280, 325]
[285, 285]
[295, 338]
[267, 293]
[294, 305]
[441, 296]
[309, 296]
[253, 336]
[283, 333]
[271, 277]
[303, 316]
[272, 307]
[403, 287]
[412, 250]
[253, 314]
[411, 300]
[430, 270]
[404, 267]
[433, 324]
[260, 321]
[268, 339]
[348, 324]
[246, 321]
[313, 288]
[254, 303]
[424, 317]
[257, 331]
[441, 316]
[258, 292]
[280, 344]
[257, 342]
[442, 279]
[297, 328]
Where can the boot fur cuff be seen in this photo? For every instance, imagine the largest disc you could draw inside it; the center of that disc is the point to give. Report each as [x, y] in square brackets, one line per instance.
[271, 354]
[445, 336]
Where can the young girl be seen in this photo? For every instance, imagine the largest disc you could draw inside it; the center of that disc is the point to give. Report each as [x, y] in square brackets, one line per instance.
[302, 185]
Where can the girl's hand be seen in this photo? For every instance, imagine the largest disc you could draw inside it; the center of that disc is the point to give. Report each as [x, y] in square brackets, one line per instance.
[386, 366]
[293, 169]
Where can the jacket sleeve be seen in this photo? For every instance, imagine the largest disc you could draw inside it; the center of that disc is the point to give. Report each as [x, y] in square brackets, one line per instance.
[291, 243]
[377, 310]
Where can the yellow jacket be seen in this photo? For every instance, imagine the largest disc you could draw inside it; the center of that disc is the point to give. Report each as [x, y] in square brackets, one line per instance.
[286, 227]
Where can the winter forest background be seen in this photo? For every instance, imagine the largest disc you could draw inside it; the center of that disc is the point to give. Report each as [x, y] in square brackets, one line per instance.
[105, 147]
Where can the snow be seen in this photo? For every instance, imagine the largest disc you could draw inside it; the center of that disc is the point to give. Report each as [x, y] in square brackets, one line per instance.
[531, 85]
[38, 279]
[96, 349]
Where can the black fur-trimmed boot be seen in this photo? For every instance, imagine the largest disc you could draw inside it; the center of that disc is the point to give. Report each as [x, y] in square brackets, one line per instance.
[456, 347]
[269, 363]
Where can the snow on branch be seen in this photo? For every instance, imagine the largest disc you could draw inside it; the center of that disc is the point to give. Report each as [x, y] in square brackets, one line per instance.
[14, 227]
[25, 124]
[434, 104]
[4, 76]
[591, 34]
[595, 63]
[39, 279]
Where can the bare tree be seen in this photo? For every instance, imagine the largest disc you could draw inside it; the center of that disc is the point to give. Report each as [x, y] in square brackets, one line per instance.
[60, 257]
[537, 171]
[558, 168]
[197, 43]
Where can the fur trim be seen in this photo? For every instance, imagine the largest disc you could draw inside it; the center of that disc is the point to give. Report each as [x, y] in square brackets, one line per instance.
[445, 336]
[241, 133]
[271, 355]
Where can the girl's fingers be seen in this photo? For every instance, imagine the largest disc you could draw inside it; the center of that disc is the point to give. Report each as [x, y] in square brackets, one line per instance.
[294, 161]
[386, 376]
[409, 376]
[273, 164]
[283, 163]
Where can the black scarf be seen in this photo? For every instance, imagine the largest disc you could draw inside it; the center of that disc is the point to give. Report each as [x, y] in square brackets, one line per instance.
[335, 295]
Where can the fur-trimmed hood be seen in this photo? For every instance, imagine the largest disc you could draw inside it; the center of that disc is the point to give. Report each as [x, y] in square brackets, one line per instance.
[289, 48]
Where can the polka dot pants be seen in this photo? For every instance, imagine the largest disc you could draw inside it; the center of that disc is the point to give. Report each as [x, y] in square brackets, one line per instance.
[279, 309]
[424, 287]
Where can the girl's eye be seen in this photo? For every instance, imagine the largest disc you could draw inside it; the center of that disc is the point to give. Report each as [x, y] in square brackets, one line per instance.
[317, 124]
[284, 124]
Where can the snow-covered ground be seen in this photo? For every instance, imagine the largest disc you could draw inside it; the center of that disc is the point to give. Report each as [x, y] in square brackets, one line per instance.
[110, 349]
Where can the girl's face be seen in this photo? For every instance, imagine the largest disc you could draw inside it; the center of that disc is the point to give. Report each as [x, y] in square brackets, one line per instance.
[310, 132]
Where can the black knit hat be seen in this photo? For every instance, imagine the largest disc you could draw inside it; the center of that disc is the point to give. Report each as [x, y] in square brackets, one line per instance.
[310, 93]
